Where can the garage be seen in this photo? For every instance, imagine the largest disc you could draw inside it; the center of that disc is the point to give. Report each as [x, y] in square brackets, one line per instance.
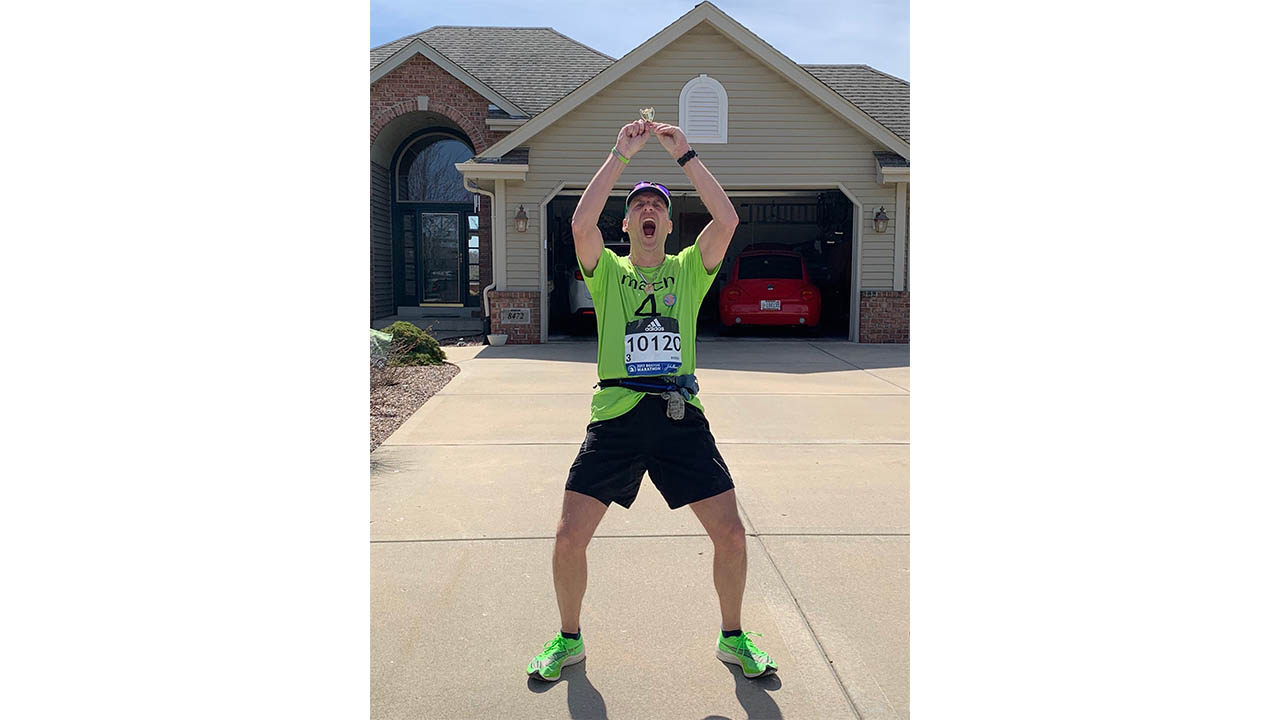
[793, 234]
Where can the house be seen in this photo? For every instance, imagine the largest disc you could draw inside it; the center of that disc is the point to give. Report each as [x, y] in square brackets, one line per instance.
[483, 139]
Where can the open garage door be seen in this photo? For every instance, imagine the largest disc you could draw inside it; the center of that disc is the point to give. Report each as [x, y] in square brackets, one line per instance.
[815, 226]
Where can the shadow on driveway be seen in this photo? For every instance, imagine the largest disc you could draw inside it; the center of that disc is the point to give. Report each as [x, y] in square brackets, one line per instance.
[584, 700]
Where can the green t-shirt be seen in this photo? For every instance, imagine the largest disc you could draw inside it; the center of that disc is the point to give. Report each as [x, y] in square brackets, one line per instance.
[639, 334]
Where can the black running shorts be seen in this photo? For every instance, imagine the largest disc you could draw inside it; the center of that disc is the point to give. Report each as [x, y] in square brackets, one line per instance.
[681, 457]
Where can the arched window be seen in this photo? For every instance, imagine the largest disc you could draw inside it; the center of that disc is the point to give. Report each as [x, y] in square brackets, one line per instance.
[704, 111]
[426, 172]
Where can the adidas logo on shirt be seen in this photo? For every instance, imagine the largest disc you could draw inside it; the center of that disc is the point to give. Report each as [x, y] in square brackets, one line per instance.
[654, 326]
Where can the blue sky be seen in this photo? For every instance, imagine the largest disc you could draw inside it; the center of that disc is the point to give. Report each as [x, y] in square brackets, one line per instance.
[874, 32]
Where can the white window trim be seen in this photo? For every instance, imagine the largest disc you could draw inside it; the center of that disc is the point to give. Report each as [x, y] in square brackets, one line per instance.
[722, 135]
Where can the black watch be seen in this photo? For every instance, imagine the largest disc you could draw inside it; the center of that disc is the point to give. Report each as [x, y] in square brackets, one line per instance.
[687, 157]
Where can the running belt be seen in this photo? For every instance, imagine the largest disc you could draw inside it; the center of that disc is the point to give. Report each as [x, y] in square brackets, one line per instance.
[686, 385]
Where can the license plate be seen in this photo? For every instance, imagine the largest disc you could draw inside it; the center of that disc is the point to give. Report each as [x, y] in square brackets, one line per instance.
[770, 304]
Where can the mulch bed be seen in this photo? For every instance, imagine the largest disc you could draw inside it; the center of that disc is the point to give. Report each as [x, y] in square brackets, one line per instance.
[461, 341]
[391, 405]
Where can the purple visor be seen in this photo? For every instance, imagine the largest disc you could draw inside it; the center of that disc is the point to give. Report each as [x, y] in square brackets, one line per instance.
[646, 186]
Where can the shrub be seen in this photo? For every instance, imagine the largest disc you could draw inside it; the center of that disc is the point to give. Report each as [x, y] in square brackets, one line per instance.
[413, 346]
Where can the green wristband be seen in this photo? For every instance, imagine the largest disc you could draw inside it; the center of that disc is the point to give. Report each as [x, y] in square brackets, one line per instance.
[621, 157]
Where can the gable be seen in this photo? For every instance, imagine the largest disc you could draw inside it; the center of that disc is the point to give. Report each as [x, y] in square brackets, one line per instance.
[706, 20]
[536, 67]
[777, 134]
[766, 112]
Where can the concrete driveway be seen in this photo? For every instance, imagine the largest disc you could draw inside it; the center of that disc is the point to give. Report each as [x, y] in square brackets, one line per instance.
[465, 500]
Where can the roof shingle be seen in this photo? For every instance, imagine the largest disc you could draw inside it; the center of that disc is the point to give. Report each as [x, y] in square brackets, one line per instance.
[536, 67]
[531, 67]
[886, 159]
[883, 97]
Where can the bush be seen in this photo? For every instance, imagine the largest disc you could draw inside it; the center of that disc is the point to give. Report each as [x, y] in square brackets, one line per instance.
[413, 346]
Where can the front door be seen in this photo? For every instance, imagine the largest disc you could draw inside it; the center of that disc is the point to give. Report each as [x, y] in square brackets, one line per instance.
[434, 270]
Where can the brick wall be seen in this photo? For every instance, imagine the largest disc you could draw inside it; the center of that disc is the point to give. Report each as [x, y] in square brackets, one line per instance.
[884, 316]
[516, 334]
[397, 93]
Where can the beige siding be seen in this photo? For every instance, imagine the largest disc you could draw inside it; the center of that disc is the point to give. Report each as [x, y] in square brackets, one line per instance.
[381, 272]
[778, 137]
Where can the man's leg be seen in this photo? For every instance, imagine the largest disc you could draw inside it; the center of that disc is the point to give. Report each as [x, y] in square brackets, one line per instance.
[579, 518]
[719, 515]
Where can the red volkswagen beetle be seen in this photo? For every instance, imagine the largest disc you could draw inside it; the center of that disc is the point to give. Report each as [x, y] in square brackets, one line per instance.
[770, 287]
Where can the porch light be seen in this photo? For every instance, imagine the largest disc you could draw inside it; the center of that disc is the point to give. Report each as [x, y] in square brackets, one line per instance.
[522, 220]
[882, 220]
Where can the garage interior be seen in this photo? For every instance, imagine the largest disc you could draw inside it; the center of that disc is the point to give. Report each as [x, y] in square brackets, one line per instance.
[815, 223]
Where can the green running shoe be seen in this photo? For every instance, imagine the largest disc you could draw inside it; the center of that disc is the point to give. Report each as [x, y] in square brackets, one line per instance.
[557, 653]
[739, 650]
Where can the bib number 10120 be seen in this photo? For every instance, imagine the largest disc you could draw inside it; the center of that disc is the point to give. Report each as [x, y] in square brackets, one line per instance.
[645, 343]
[651, 345]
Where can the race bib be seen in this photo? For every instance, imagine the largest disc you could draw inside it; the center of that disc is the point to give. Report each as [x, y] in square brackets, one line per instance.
[651, 346]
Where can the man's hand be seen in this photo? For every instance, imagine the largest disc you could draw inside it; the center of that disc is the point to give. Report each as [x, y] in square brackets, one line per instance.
[632, 137]
[672, 138]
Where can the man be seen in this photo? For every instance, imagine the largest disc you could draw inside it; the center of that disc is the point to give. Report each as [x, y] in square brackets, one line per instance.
[646, 415]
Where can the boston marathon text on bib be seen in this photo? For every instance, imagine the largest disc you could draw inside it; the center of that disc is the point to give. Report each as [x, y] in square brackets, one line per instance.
[652, 346]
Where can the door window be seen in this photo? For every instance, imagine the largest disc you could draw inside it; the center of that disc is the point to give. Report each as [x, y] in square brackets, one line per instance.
[441, 258]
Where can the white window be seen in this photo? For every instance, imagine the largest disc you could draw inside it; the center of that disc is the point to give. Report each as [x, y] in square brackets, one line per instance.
[704, 111]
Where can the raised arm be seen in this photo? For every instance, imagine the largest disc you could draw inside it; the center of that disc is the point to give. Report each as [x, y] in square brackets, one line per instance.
[714, 240]
[587, 240]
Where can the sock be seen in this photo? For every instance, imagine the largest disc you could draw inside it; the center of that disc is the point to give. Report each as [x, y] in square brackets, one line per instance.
[730, 633]
[572, 636]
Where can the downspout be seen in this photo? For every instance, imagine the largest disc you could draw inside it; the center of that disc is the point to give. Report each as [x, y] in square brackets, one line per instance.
[493, 221]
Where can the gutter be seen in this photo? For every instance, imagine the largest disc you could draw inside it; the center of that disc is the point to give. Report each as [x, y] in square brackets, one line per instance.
[887, 175]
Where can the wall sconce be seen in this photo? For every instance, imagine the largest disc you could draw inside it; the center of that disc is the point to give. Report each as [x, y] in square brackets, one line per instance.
[882, 220]
[522, 220]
